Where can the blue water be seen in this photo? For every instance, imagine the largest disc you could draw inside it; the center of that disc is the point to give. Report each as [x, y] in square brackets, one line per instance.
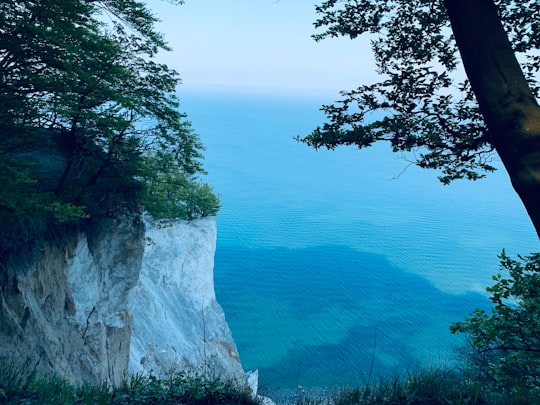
[331, 266]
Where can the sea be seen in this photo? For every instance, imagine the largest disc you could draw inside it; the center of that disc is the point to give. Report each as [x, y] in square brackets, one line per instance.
[336, 267]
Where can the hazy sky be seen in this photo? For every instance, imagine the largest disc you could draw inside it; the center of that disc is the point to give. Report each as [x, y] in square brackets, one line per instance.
[258, 44]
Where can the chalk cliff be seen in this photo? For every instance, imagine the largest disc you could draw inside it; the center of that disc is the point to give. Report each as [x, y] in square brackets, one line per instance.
[79, 304]
[64, 301]
[177, 320]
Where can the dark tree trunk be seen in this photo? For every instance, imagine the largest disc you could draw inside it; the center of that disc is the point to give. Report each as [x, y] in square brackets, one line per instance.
[510, 110]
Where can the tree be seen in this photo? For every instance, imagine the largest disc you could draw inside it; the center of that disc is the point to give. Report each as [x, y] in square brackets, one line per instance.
[507, 341]
[87, 116]
[421, 104]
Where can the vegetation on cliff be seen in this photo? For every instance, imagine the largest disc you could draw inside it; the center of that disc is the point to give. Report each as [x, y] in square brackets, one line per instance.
[89, 120]
[176, 388]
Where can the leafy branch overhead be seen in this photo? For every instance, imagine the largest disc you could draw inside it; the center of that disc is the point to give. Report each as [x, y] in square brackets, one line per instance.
[88, 117]
[423, 102]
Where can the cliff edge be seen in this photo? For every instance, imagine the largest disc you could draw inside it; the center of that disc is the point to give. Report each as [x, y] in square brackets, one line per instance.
[177, 320]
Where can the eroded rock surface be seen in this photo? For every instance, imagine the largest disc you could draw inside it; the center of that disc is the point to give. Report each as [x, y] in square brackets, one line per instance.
[177, 320]
[77, 304]
[64, 302]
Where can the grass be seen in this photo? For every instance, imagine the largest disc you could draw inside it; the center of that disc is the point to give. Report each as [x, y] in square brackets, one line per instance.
[176, 388]
[435, 386]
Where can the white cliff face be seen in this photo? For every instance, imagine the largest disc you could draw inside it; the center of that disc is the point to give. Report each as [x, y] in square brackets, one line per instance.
[67, 303]
[178, 323]
[64, 303]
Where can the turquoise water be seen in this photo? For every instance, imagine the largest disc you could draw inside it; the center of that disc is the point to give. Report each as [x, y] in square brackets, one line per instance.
[334, 265]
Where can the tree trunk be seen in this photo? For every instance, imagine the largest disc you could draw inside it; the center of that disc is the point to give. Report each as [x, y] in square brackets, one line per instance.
[511, 112]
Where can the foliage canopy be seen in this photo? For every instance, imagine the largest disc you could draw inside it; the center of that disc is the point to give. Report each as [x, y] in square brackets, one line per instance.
[88, 119]
[423, 102]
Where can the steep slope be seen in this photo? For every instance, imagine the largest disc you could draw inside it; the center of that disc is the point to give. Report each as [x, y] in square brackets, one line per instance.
[67, 303]
[177, 320]
[64, 301]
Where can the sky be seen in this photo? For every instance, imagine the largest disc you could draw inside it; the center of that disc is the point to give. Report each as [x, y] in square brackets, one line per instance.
[258, 44]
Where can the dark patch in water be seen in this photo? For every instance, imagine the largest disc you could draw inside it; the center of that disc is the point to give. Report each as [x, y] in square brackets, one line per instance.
[400, 309]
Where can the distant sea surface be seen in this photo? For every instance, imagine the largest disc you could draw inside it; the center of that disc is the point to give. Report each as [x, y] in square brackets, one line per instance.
[334, 265]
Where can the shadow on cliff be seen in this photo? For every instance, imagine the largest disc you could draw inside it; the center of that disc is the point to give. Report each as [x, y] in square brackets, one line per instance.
[320, 316]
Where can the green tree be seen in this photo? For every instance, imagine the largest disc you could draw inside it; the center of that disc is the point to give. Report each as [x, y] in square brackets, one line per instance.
[170, 194]
[507, 341]
[421, 104]
[86, 112]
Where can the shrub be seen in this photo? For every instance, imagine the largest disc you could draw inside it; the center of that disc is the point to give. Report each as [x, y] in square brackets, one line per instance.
[506, 342]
